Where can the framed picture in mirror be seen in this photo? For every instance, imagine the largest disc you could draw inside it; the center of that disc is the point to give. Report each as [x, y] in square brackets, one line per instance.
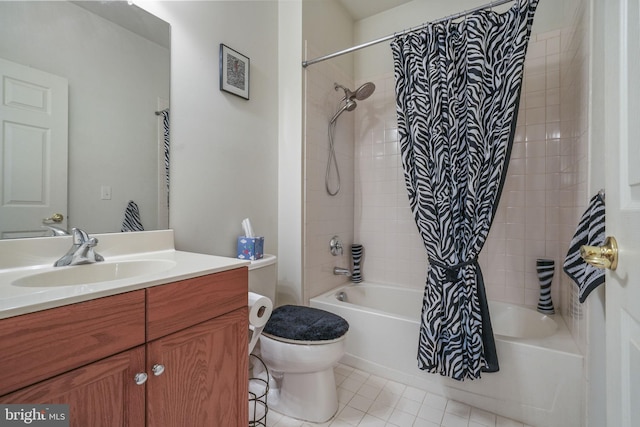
[234, 72]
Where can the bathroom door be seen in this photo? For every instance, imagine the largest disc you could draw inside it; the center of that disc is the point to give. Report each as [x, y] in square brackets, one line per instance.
[622, 145]
[33, 149]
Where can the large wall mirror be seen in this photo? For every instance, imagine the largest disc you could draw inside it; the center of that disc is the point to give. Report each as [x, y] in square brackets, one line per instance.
[84, 85]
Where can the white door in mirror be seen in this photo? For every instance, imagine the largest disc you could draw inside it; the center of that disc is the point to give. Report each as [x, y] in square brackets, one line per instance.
[34, 116]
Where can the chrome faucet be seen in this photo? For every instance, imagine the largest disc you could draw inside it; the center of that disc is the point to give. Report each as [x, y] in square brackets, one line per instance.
[57, 231]
[81, 252]
[341, 271]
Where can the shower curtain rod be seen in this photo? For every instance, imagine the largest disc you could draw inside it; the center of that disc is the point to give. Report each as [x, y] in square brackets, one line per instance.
[305, 64]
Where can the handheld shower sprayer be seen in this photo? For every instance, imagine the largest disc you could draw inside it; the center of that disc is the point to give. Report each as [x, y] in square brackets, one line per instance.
[350, 97]
[350, 104]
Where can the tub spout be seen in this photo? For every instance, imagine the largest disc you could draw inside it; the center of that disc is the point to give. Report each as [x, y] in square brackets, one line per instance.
[342, 296]
[341, 271]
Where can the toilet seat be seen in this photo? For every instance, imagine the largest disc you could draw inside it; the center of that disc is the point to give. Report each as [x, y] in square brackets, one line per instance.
[295, 324]
[302, 342]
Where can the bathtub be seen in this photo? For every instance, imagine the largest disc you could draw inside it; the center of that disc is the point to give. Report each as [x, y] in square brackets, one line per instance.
[541, 369]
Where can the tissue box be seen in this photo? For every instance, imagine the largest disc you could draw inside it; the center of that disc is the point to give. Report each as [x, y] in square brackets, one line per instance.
[250, 247]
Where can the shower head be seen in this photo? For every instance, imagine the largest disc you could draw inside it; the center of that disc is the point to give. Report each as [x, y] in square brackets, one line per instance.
[363, 92]
[350, 105]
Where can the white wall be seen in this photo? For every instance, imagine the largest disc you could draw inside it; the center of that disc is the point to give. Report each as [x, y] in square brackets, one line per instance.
[329, 28]
[290, 175]
[115, 79]
[596, 320]
[224, 152]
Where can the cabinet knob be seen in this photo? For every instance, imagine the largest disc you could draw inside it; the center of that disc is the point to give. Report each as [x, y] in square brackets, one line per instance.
[157, 369]
[140, 378]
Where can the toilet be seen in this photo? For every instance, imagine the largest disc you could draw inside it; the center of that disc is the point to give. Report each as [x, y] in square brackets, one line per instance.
[300, 346]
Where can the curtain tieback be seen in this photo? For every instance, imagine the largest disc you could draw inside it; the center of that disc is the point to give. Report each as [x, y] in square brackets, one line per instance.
[452, 271]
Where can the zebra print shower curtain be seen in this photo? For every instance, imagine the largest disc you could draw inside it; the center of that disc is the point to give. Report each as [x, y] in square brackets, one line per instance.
[165, 136]
[457, 92]
[165, 126]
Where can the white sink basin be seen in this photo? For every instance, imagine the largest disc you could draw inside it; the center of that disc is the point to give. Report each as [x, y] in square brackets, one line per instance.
[94, 273]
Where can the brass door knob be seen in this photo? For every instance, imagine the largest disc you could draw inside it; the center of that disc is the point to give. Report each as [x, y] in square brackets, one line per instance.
[57, 218]
[605, 256]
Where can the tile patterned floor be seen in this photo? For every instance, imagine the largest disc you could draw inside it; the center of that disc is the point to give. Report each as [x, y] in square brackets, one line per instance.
[371, 401]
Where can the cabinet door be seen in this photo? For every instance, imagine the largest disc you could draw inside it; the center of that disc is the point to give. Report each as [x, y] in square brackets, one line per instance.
[205, 377]
[102, 394]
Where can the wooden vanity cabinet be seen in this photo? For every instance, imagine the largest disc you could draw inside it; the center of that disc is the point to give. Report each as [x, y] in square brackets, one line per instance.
[188, 337]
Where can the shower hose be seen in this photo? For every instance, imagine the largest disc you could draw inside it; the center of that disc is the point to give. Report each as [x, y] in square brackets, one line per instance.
[332, 160]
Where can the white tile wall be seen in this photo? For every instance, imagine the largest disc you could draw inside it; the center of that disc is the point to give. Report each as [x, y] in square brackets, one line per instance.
[326, 216]
[394, 252]
[526, 225]
[543, 196]
[384, 223]
[574, 159]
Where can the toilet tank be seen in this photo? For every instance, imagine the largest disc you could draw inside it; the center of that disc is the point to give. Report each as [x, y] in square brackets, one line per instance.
[263, 276]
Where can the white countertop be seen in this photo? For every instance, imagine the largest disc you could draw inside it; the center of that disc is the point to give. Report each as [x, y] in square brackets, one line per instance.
[23, 257]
